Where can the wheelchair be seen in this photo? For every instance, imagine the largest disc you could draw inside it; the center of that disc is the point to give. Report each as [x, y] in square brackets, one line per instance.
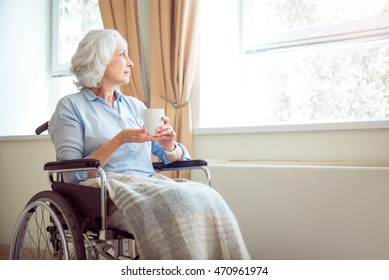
[69, 222]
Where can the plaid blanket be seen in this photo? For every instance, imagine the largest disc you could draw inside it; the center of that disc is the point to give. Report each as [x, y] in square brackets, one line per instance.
[176, 219]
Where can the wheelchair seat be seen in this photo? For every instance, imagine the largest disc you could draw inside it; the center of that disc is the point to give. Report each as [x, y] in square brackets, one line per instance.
[70, 221]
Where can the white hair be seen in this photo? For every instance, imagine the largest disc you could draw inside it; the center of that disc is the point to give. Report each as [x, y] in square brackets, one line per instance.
[93, 54]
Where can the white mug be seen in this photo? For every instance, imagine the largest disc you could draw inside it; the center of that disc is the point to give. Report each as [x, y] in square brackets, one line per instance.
[152, 119]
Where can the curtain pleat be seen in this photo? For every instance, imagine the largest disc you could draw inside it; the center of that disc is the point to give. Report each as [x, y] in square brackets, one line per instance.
[174, 49]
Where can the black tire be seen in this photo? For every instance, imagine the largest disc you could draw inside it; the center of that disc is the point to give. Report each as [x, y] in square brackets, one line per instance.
[47, 229]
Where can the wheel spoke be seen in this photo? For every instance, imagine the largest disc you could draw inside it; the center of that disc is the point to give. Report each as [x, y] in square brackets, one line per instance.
[43, 232]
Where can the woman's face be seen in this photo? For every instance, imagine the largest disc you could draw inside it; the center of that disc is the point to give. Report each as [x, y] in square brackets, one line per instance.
[119, 68]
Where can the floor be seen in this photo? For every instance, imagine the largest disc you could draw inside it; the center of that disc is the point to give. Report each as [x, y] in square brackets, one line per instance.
[4, 252]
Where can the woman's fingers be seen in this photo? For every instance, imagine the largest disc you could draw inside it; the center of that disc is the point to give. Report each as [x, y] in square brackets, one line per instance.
[165, 130]
[166, 119]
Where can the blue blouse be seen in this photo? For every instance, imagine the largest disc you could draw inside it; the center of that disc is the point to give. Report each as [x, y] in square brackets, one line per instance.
[82, 122]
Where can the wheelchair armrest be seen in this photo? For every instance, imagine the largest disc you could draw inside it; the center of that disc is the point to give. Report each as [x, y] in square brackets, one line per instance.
[180, 165]
[72, 164]
[42, 128]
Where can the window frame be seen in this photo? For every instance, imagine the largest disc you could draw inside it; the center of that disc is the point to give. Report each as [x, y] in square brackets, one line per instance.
[296, 127]
[363, 30]
[57, 69]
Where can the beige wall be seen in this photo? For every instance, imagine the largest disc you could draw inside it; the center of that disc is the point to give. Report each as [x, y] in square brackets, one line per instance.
[346, 145]
[22, 176]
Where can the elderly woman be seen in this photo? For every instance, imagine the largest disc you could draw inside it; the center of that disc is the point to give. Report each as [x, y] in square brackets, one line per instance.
[171, 219]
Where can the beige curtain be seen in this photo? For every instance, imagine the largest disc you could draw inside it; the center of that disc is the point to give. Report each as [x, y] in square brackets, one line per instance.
[122, 15]
[174, 48]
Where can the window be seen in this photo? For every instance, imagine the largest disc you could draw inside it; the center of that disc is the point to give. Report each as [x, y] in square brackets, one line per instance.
[295, 62]
[72, 19]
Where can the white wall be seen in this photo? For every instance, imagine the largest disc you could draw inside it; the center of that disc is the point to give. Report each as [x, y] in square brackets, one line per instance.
[28, 91]
[283, 212]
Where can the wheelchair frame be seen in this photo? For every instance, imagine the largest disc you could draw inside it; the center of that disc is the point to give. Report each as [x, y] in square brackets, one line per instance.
[70, 221]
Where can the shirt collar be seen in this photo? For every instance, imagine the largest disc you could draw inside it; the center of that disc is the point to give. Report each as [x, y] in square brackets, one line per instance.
[91, 96]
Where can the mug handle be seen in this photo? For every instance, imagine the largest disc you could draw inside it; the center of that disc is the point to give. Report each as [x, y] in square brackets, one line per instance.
[137, 120]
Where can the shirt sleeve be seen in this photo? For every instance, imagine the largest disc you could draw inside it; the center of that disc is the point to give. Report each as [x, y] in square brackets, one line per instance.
[66, 130]
[158, 151]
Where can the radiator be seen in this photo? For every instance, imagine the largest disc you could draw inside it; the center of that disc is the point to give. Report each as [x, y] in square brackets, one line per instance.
[308, 210]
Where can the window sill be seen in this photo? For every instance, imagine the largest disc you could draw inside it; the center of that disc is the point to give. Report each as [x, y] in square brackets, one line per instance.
[296, 127]
[25, 137]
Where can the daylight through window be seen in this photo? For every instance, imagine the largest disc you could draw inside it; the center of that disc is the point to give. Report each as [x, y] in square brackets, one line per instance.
[72, 19]
[294, 62]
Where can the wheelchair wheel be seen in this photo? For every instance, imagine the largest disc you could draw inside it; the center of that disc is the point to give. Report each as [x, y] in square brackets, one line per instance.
[47, 229]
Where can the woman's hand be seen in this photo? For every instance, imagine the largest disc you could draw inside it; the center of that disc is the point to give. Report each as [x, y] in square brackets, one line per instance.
[128, 135]
[134, 135]
[166, 135]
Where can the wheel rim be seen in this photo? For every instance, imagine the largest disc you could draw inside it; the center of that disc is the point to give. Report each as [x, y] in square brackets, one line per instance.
[39, 233]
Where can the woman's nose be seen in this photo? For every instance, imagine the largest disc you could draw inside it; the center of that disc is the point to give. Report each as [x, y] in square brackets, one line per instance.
[130, 63]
